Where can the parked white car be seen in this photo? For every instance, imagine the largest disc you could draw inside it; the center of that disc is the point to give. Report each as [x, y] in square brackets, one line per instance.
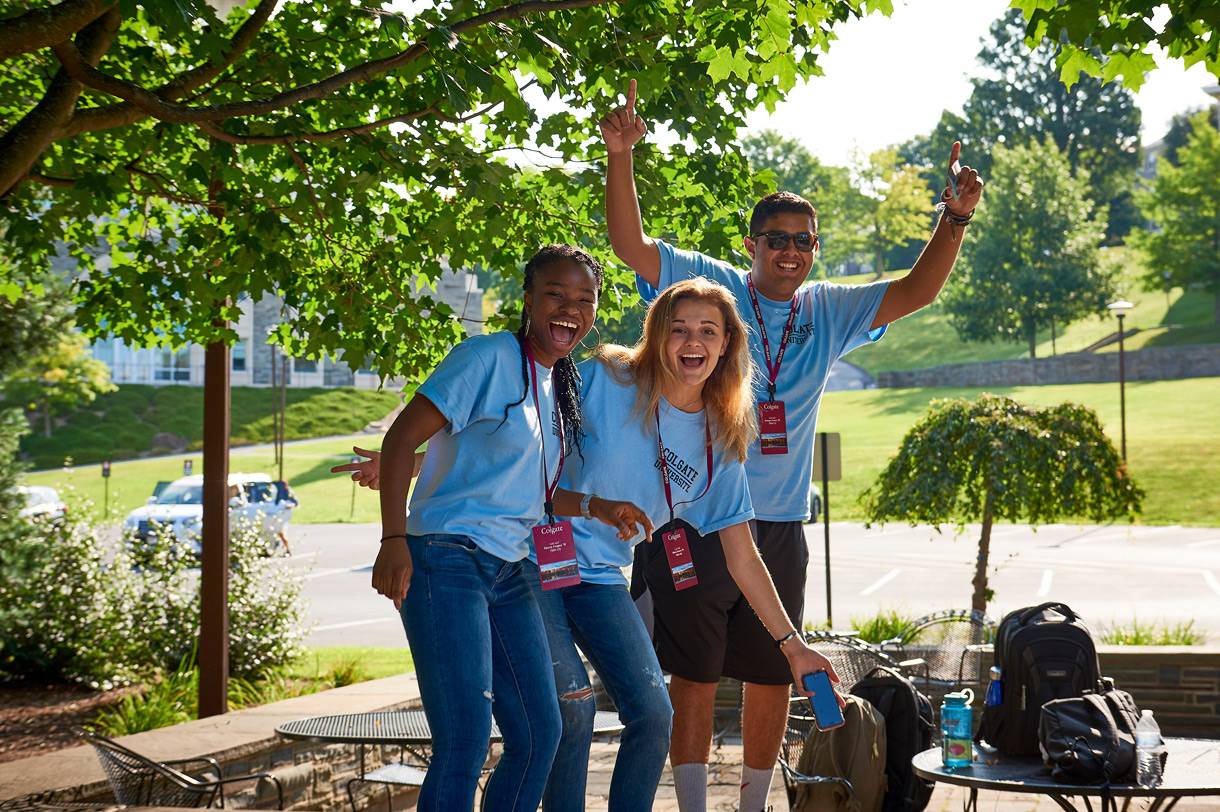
[41, 502]
[179, 506]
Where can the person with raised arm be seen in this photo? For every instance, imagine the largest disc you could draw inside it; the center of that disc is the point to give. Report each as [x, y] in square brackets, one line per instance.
[798, 331]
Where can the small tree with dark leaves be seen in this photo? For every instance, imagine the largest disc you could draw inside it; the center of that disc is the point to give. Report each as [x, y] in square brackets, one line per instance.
[995, 459]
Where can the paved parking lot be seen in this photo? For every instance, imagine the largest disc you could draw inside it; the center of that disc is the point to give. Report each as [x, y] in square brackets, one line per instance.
[1107, 573]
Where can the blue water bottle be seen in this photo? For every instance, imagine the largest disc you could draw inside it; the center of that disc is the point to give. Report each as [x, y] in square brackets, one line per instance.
[957, 729]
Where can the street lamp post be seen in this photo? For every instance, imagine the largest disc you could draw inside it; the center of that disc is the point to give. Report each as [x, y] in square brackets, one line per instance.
[1119, 309]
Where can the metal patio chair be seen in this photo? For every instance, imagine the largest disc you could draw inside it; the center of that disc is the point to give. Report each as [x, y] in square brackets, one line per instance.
[852, 659]
[139, 781]
[951, 645]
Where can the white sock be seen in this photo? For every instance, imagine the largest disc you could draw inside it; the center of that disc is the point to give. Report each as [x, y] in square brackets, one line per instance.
[690, 785]
[755, 787]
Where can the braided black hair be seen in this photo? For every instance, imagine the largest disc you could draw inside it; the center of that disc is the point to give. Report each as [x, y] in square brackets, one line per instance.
[565, 377]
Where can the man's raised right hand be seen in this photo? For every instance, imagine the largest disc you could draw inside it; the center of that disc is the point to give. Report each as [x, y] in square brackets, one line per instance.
[622, 128]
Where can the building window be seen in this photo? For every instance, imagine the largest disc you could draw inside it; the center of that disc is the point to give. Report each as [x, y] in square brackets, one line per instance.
[239, 356]
[173, 366]
[304, 365]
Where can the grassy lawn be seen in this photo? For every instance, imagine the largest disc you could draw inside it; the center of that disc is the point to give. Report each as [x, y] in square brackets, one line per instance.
[367, 663]
[123, 424]
[1172, 438]
[927, 339]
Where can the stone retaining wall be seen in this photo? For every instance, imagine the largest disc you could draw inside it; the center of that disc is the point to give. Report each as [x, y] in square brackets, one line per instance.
[1152, 364]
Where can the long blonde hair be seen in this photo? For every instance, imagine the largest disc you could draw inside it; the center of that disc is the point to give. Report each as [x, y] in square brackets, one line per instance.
[727, 394]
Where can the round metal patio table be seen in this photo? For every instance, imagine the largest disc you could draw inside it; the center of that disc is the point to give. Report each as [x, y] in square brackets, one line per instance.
[407, 729]
[1193, 770]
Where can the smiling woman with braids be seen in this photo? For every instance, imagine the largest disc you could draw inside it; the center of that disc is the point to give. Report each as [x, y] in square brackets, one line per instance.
[496, 414]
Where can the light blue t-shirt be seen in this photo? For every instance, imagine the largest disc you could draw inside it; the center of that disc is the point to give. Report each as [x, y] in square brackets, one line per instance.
[482, 475]
[620, 462]
[831, 320]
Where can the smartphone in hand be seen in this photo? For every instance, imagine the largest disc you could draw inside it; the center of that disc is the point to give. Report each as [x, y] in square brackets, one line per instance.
[954, 170]
[827, 714]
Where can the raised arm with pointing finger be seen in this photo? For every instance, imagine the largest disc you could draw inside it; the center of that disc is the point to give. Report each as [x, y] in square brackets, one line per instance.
[622, 129]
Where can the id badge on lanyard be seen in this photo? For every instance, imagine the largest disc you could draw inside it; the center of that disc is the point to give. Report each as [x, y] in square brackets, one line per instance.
[677, 546]
[772, 420]
[554, 546]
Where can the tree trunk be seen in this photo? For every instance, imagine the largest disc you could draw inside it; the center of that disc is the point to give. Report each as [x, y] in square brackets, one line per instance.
[214, 563]
[978, 601]
[1054, 349]
[214, 569]
[46, 419]
[1032, 334]
[1216, 307]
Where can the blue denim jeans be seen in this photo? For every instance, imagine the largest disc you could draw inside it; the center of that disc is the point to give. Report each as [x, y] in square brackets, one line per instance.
[604, 622]
[480, 650]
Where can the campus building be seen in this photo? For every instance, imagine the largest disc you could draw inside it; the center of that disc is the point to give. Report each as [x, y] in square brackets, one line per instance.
[252, 356]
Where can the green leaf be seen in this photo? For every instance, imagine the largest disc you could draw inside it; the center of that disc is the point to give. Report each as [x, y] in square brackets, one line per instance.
[1073, 61]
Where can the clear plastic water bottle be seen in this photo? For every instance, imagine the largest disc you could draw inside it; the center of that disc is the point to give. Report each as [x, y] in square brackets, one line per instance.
[1148, 749]
[957, 729]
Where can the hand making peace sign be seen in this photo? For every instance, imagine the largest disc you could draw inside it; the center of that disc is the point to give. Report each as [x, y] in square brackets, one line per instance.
[622, 128]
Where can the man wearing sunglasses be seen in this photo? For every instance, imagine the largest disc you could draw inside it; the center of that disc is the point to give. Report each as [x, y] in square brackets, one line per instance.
[798, 331]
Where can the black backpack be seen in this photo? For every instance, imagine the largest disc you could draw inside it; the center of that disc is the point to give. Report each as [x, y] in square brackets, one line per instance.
[1090, 739]
[1044, 652]
[908, 731]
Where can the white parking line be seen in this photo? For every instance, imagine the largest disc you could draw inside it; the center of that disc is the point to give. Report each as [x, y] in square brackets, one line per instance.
[885, 579]
[1047, 577]
[350, 624]
[1211, 581]
[1205, 543]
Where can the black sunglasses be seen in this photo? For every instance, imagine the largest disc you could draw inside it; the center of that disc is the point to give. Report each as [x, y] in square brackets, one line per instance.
[778, 240]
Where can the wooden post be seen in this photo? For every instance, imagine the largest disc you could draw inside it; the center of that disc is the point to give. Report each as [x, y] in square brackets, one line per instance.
[214, 613]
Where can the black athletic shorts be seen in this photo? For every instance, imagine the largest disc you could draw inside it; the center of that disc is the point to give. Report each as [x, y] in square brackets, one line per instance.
[709, 630]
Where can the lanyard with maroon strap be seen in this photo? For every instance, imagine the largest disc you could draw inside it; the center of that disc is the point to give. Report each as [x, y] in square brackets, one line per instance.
[772, 423]
[677, 546]
[553, 542]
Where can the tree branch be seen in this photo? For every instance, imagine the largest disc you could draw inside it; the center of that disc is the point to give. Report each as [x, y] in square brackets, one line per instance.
[49, 180]
[165, 109]
[216, 132]
[22, 145]
[43, 27]
[119, 115]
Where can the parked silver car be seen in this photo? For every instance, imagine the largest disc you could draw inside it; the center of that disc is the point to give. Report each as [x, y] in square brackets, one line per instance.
[41, 502]
[179, 506]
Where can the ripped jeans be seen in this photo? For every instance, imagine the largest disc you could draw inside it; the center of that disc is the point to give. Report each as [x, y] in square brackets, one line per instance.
[480, 650]
[603, 621]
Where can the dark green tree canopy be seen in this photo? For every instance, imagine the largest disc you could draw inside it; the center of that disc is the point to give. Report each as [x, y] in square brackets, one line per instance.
[995, 459]
[1184, 203]
[1037, 465]
[1180, 127]
[340, 156]
[1022, 100]
[1034, 260]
